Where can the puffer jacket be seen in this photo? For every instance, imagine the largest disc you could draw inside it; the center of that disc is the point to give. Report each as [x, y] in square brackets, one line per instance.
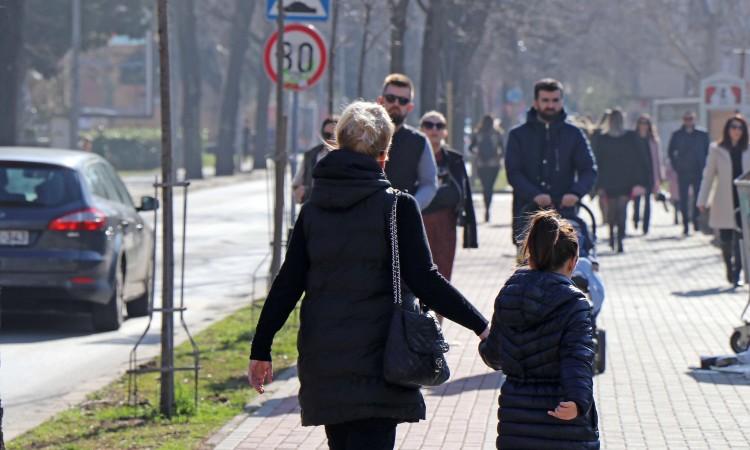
[541, 337]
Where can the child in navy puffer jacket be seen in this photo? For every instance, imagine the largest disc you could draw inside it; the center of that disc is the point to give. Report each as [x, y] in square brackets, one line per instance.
[541, 337]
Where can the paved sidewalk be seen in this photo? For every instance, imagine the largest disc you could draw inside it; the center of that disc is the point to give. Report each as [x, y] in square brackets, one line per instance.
[666, 305]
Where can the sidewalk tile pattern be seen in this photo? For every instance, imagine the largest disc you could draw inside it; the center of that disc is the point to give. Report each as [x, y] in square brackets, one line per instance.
[666, 305]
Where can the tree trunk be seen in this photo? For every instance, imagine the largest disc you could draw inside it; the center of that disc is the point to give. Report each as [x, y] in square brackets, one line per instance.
[363, 50]
[332, 54]
[399, 11]
[431, 55]
[11, 72]
[191, 89]
[240, 39]
[262, 100]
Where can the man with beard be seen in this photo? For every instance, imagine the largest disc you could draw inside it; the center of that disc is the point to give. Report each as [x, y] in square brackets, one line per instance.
[411, 164]
[548, 161]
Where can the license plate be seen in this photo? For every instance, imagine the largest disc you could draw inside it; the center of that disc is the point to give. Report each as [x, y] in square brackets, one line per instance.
[14, 237]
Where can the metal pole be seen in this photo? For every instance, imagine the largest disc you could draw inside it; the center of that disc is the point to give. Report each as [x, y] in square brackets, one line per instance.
[280, 158]
[332, 52]
[166, 401]
[293, 159]
[74, 78]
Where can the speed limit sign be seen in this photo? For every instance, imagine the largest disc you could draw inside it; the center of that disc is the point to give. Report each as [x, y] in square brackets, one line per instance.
[305, 56]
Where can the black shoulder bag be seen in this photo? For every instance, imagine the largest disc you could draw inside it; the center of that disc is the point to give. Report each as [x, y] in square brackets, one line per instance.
[414, 350]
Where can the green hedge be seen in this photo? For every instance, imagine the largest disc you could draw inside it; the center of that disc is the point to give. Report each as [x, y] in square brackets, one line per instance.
[129, 148]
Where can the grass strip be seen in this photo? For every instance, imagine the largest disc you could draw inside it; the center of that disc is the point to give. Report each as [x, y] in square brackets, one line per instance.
[107, 421]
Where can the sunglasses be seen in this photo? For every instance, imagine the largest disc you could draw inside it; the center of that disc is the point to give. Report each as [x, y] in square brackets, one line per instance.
[688, 119]
[390, 98]
[735, 126]
[327, 136]
[427, 125]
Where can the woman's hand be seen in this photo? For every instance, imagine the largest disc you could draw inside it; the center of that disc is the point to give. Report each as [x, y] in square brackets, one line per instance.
[258, 372]
[702, 209]
[565, 411]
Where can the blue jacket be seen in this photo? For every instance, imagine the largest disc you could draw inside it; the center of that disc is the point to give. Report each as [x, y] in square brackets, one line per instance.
[553, 159]
[687, 152]
[541, 338]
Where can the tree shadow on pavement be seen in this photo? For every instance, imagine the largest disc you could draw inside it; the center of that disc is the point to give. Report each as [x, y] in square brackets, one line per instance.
[704, 292]
[490, 381]
[710, 376]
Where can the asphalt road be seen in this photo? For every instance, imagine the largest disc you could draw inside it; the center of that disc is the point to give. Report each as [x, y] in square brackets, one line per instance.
[50, 363]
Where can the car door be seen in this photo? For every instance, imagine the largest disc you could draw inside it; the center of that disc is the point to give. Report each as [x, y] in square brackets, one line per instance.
[139, 258]
[106, 194]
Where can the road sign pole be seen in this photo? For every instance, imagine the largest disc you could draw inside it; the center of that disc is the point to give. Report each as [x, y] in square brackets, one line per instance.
[280, 158]
[294, 150]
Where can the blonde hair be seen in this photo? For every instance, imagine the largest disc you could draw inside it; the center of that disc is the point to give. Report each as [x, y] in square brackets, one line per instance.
[433, 115]
[366, 128]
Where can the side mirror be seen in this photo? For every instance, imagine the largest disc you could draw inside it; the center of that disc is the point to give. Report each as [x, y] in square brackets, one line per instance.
[148, 204]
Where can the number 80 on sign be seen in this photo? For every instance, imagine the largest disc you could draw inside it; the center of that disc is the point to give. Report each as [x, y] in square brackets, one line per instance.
[305, 56]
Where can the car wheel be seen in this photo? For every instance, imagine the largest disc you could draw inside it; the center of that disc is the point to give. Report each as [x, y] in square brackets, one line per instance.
[138, 307]
[109, 316]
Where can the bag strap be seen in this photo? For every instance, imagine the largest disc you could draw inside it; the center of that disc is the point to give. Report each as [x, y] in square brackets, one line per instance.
[395, 260]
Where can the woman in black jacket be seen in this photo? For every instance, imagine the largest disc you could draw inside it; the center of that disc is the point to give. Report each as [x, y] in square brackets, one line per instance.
[487, 145]
[452, 204]
[623, 173]
[339, 257]
[541, 337]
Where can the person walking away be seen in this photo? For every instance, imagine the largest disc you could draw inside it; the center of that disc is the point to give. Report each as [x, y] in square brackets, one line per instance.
[727, 160]
[302, 182]
[452, 204]
[487, 146]
[547, 398]
[600, 129]
[548, 160]
[339, 257]
[648, 144]
[623, 173]
[687, 151]
[411, 165]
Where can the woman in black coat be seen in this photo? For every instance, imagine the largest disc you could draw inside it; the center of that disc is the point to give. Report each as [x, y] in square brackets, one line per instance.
[339, 257]
[541, 338]
[624, 172]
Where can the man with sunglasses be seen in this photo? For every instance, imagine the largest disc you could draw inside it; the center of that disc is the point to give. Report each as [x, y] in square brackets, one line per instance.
[302, 182]
[411, 164]
[687, 151]
[548, 160]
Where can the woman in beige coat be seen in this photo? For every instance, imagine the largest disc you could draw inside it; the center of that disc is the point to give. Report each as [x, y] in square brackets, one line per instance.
[727, 160]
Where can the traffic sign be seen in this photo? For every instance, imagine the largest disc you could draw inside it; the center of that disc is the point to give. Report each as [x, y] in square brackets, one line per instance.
[305, 56]
[299, 10]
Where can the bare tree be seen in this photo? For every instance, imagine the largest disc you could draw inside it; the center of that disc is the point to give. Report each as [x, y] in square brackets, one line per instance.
[11, 74]
[434, 31]
[399, 10]
[240, 41]
[191, 88]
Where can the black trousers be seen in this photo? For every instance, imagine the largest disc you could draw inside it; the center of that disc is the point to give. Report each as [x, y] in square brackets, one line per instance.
[646, 211]
[488, 175]
[689, 209]
[731, 253]
[617, 210]
[367, 434]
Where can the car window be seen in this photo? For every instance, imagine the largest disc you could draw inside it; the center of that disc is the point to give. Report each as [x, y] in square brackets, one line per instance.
[99, 183]
[122, 192]
[29, 184]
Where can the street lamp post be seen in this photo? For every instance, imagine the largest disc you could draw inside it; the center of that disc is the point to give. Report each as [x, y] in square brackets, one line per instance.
[74, 78]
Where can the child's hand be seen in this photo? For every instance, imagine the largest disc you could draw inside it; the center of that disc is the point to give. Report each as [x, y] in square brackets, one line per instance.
[565, 411]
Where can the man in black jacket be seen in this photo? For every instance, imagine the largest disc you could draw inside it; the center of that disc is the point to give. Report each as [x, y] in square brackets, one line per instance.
[302, 182]
[548, 161]
[688, 148]
[411, 164]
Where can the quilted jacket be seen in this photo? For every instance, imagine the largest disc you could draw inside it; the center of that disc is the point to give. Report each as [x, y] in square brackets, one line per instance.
[541, 337]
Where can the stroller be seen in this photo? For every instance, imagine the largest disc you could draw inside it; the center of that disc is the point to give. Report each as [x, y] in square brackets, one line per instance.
[586, 273]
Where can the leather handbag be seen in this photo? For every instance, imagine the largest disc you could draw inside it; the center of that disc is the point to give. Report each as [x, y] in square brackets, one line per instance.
[415, 347]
